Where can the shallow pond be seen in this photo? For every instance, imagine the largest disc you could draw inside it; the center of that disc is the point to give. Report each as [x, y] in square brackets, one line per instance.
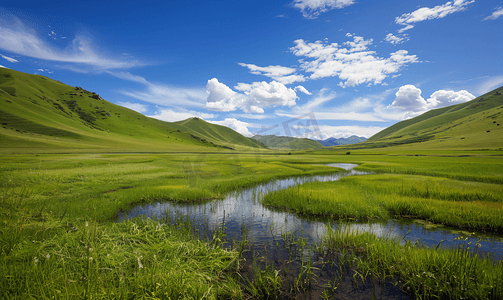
[268, 231]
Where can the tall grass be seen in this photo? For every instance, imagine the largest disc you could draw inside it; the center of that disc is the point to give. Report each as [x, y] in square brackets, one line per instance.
[425, 273]
[369, 197]
[140, 258]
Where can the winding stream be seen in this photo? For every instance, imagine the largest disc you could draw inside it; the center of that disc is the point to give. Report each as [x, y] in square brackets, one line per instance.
[267, 228]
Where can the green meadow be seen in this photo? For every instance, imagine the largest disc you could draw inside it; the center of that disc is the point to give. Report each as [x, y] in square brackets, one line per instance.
[70, 162]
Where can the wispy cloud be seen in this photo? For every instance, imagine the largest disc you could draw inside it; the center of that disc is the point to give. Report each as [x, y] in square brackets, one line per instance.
[311, 9]
[281, 74]
[171, 115]
[490, 84]
[496, 14]
[18, 38]
[427, 13]
[138, 107]
[162, 94]
[9, 59]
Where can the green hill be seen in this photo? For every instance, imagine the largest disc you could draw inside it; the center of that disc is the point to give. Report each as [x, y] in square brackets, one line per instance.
[285, 142]
[215, 133]
[41, 114]
[475, 124]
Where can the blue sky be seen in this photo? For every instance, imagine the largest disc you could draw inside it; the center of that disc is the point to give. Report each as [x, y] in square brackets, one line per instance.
[307, 68]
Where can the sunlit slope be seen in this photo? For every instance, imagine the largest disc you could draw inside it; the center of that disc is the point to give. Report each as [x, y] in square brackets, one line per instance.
[215, 133]
[284, 142]
[40, 113]
[475, 125]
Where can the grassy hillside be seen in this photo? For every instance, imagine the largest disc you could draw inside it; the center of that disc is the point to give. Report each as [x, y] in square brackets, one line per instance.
[473, 125]
[285, 142]
[38, 114]
[215, 133]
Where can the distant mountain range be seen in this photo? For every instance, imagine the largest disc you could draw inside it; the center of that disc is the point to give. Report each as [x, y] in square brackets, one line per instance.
[342, 141]
[286, 142]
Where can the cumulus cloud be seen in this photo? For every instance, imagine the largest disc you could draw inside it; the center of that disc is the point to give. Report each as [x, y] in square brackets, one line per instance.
[9, 59]
[426, 13]
[496, 14]
[352, 61]
[3, 67]
[17, 38]
[170, 115]
[311, 9]
[138, 107]
[396, 40]
[236, 125]
[252, 99]
[409, 99]
[444, 98]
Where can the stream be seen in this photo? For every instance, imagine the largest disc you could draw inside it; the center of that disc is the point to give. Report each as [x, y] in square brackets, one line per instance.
[271, 234]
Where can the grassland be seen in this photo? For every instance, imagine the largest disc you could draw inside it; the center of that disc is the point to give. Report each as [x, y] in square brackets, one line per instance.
[70, 161]
[59, 238]
[424, 273]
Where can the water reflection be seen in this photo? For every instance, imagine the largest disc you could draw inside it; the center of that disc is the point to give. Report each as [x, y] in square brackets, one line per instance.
[267, 226]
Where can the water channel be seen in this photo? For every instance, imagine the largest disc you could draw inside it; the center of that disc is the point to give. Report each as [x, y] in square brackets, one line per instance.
[268, 231]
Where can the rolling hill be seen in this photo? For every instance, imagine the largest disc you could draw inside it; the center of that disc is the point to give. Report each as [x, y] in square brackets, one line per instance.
[285, 142]
[38, 114]
[475, 124]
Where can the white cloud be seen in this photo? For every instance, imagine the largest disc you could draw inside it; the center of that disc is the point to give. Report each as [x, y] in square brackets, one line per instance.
[170, 115]
[138, 107]
[17, 38]
[405, 28]
[328, 131]
[408, 98]
[253, 117]
[444, 98]
[490, 84]
[45, 70]
[311, 9]
[302, 89]
[496, 14]
[396, 40]
[236, 125]
[128, 76]
[353, 63]
[426, 13]
[278, 73]
[316, 102]
[9, 59]
[253, 99]
[164, 95]
[3, 67]
[346, 116]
